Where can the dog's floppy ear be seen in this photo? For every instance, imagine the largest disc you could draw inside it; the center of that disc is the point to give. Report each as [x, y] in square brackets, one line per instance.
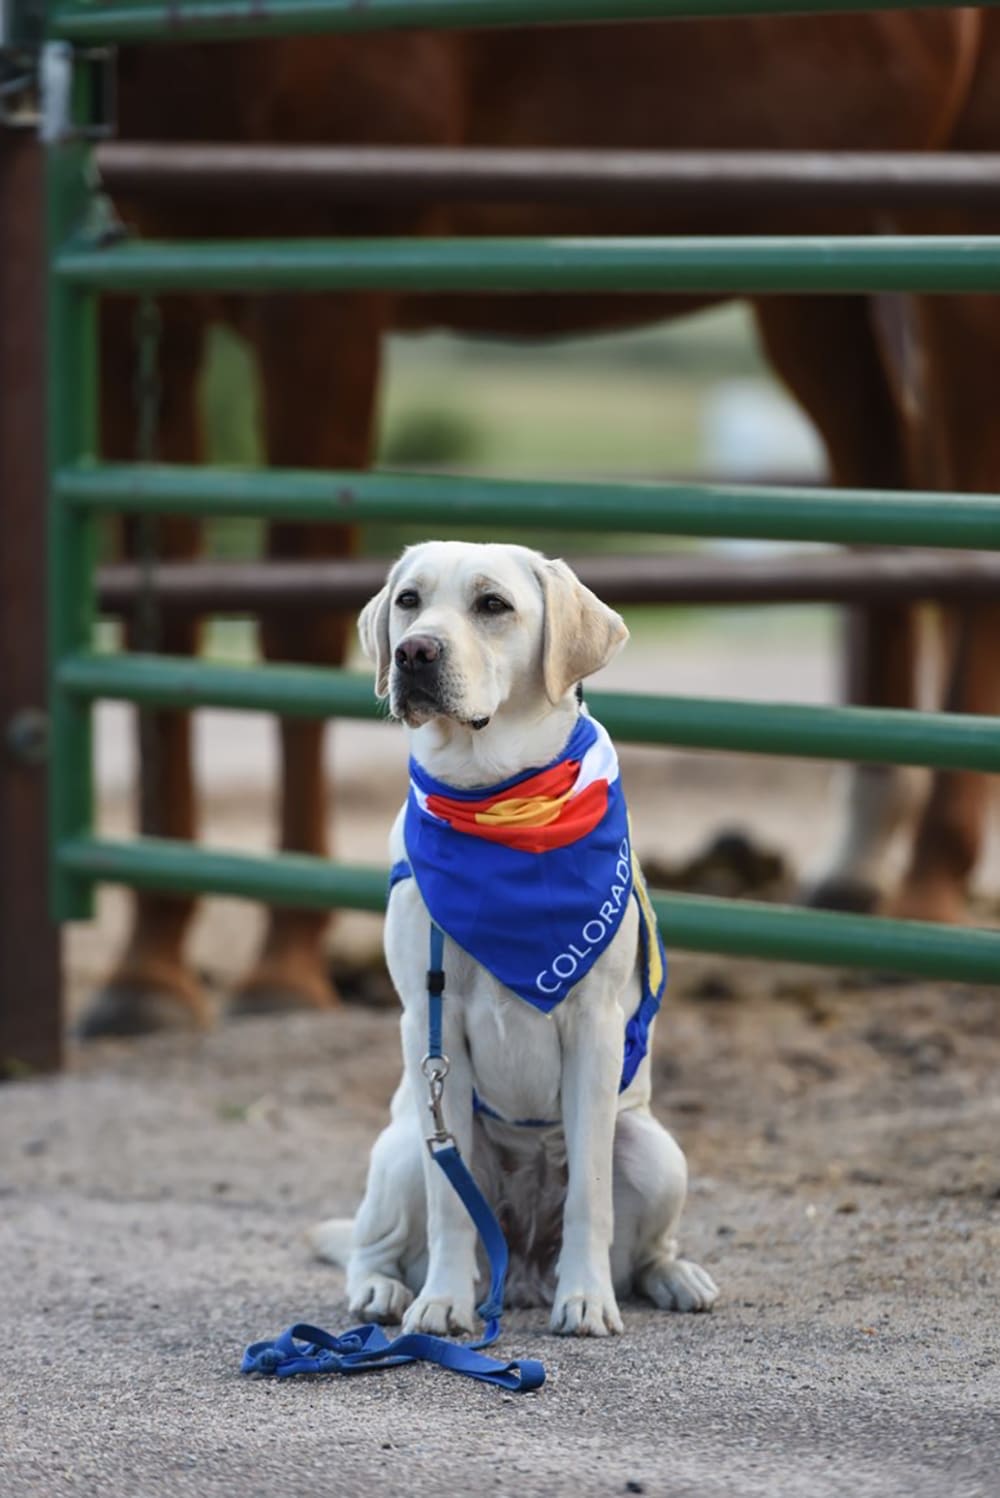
[373, 627]
[581, 634]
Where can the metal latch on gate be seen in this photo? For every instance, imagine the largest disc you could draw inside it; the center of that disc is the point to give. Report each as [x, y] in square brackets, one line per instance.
[37, 81]
[57, 74]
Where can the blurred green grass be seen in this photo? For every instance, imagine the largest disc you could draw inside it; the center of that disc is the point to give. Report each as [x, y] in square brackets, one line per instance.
[627, 404]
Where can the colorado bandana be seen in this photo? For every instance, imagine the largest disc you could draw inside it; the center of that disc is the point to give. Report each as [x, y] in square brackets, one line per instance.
[533, 876]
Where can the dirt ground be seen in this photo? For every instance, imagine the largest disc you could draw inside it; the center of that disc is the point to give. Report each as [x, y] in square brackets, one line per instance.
[841, 1134]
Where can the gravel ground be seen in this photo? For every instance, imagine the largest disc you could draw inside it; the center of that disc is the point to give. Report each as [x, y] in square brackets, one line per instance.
[846, 1195]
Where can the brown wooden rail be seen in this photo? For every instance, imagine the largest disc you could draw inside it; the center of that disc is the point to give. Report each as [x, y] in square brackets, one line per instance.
[796, 577]
[713, 179]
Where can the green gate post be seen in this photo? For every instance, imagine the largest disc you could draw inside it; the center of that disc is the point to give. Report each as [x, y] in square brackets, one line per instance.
[72, 438]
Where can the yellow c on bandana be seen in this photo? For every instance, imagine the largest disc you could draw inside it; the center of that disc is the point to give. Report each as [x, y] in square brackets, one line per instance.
[523, 811]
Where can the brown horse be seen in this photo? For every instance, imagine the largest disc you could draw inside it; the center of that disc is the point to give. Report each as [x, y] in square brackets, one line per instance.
[893, 81]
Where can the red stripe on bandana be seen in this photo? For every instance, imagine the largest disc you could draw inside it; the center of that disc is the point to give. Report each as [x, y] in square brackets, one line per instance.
[535, 815]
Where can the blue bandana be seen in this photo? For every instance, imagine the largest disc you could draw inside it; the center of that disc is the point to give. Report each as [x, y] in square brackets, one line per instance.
[532, 877]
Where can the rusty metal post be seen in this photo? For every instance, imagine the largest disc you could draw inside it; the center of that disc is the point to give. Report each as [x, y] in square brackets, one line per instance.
[30, 968]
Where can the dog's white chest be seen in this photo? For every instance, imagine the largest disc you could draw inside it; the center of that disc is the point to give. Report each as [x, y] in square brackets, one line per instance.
[516, 1055]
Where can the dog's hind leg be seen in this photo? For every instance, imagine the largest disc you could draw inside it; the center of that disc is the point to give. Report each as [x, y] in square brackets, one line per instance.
[650, 1184]
[384, 1250]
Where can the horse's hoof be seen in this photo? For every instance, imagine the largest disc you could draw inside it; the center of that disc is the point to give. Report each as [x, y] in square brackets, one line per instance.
[279, 988]
[851, 896]
[145, 1001]
[940, 904]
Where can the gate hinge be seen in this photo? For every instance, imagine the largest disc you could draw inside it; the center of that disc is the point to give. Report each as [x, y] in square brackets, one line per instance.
[27, 736]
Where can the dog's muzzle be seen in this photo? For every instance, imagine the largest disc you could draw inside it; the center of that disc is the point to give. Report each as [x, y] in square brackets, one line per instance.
[417, 661]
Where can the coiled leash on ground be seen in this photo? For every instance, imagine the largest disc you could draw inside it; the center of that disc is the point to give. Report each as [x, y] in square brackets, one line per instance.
[364, 1349]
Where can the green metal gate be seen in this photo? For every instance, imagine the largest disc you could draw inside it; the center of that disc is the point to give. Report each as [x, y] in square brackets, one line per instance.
[82, 264]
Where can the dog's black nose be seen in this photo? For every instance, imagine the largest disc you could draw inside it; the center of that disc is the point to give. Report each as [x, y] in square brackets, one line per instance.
[417, 652]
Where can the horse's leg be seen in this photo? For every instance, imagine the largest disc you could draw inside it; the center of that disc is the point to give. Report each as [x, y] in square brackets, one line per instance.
[950, 830]
[826, 352]
[319, 365]
[961, 340]
[151, 988]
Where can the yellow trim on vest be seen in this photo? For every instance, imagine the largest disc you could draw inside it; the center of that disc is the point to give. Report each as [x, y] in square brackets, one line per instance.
[654, 959]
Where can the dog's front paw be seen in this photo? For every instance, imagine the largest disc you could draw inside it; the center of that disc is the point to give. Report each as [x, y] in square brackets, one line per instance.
[583, 1313]
[441, 1315]
[379, 1297]
[678, 1285]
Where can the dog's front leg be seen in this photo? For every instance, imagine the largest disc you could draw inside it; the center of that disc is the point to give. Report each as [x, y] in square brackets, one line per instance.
[447, 1302]
[593, 1043]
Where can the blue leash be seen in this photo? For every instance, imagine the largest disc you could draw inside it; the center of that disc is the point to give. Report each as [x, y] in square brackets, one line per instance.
[364, 1349]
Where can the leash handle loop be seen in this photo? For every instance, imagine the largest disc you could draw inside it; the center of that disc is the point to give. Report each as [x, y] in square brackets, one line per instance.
[304, 1349]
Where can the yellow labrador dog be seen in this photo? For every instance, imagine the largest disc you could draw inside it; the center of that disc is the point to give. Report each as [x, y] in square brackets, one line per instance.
[515, 841]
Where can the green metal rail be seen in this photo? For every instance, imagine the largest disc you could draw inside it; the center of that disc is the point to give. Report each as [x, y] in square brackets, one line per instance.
[72, 534]
[692, 923]
[940, 740]
[958, 521]
[703, 266]
[225, 20]
[83, 489]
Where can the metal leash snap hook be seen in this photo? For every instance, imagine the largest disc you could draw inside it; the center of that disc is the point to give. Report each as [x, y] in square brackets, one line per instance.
[435, 1069]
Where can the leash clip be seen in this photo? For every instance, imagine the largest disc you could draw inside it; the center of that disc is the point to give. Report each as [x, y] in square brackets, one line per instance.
[435, 1069]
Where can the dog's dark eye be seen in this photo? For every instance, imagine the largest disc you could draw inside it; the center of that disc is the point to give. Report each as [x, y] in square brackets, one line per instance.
[492, 603]
[408, 599]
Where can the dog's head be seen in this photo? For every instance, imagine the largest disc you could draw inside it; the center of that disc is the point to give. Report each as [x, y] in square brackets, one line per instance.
[461, 630]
